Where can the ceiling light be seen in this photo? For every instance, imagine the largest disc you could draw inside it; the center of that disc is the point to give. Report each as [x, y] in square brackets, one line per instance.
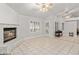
[44, 7]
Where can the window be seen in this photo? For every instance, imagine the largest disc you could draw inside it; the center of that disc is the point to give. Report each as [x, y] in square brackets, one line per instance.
[34, 26]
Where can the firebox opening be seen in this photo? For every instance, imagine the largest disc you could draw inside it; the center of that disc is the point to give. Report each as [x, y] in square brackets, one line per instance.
[9, 34]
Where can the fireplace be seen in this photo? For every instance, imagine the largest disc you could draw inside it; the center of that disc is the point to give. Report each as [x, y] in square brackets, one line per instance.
[9, 34]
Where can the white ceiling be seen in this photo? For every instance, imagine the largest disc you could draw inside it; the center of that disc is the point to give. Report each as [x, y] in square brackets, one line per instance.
[30, 9]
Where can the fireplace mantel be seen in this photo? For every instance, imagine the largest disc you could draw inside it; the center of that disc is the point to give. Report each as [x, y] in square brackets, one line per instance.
[11, 44]
[9, 24]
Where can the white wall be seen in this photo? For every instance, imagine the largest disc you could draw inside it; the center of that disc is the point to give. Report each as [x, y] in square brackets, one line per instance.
[70, 26]
[51, 25]
[24, 22]
[52, 19]
[78, 24]
[7, 15]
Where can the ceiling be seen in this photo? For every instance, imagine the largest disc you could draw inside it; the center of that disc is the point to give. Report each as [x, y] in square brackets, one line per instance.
[30, 9]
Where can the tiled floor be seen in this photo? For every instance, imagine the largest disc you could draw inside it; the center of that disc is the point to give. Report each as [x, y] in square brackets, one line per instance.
[47, 46]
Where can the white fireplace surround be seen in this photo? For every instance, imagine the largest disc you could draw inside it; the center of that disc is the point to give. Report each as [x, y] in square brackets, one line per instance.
[5, 48]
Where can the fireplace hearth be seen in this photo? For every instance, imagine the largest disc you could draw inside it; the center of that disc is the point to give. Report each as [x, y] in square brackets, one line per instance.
[9, 34]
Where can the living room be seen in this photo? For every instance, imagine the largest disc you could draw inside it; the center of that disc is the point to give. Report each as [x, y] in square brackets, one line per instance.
[25, 29]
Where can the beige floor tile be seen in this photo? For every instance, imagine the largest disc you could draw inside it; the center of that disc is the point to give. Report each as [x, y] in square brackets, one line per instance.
[47, 45]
